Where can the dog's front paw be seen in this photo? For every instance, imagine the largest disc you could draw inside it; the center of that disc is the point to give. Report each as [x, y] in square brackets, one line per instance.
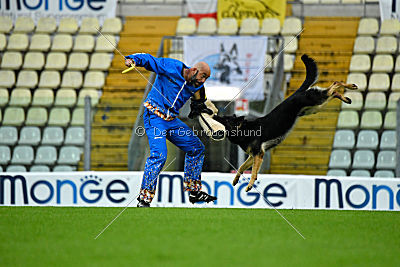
[249, 187]
[353, 87]
[347, 100]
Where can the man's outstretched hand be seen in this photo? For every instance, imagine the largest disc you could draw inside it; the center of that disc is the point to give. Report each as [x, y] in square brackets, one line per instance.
[129, 62]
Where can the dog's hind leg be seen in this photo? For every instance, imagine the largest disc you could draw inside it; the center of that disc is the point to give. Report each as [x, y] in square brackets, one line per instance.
[242, 168]
[258, 159]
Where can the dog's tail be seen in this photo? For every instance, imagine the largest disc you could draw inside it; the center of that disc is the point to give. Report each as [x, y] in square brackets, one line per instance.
[311, 73]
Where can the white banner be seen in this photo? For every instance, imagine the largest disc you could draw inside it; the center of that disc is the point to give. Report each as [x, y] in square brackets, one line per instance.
[58, 8]
[235, 62]
[390, 9]
[103, 189]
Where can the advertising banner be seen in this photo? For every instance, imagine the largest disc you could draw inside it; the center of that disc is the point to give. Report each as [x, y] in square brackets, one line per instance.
[261, 9]
[236, 63]
[120, 189]
[389, 9]
[100, 9]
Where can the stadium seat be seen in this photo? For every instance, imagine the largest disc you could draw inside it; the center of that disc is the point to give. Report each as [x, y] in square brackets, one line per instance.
[102, 45]
[249, 26]
[6, 24]
[7, 78]
[357, 100]
[386, 45]
[49, 79]
[360, 173]
[367, 139]
[3, 97]
[291, 26]
[337, 173]
[288, 62]
[5, 155]
[84, 43]
[20, 97]
[358, 78]
[368, 26]
[397, 66]
[18, 42]
[227, 26]
[78, 117]
[379, 82]
[396, 82]
[40, 42]
[270, 26]
[364, 45]
[363, 159]
[8, 135]
[65, 98]
[59, 117]
[16, 168]
[75, 136]
[89, 25]
[344, 139]
[62, 43]
[390, 27]
[371, 120]
[27, 78]
[69, 155]
[94, 79]
[11, 60]
[386, 160]
[100, 61]
[360, 63]
[24, 25]
[207, 26]
[290, 43]
[33, 61]
[29, 135]
[375, 100]
[68, 25]
[340, 159]
[53, 136]
[268, 63]
[39, 168]
[388, 140]
[186, 26]
[3, 42]
[43, 98]
[78, 61]
[36, 116]
[63, 168]
[14, 116]
[93, 94]
[46, 25]
[46, 155]
[348, 119]
[56, 61]
[382, 63]
[390, 120]
[384, 174]
[112, 26]
[22, 155]
[72, 79]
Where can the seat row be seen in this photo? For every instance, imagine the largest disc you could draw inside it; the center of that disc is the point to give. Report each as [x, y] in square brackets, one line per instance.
[45, 97]
[52, 135]
[381, 63]
[51, 79]
[38, 168]
[373, 100]
[384, 45]
[38, 116]
[60, 42]
[70, 25]
[229, 26]
[366, 139]
[349, 119]
[377, 81]
[370, 26]
[361, 173]
[24, 155]
[362, 159]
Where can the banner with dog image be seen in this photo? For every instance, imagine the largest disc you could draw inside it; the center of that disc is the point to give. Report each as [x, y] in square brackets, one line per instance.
[236, 64]
[260, 9]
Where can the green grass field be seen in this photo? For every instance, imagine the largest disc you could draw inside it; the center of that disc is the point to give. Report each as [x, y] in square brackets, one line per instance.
[44, 236]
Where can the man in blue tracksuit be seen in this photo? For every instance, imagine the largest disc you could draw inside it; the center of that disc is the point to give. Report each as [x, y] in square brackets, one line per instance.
[174, 85]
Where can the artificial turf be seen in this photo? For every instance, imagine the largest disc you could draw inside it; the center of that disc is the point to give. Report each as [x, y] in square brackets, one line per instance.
[49, 236]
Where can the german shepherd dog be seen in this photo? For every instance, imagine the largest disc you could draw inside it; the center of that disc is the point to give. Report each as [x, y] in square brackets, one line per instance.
[276, 125]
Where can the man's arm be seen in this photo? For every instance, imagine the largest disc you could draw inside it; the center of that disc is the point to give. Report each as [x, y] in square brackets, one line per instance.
[147, 61]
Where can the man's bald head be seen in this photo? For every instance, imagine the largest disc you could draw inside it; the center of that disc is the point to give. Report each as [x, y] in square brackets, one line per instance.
[203, 67]
[198, 74]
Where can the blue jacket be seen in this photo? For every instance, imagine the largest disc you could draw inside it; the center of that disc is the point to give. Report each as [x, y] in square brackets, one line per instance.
[170, 90]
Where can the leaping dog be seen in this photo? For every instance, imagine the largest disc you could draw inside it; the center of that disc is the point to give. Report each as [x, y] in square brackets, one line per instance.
[276, 125]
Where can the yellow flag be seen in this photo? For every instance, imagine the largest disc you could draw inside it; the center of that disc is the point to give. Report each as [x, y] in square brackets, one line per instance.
[261, 9]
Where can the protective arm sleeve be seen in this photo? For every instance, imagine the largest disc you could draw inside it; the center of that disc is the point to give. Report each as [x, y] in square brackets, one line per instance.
[198, 106]
[150, 63]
